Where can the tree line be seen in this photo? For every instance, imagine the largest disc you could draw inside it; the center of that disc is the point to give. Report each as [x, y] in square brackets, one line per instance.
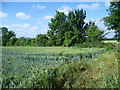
[65, 30]
[68, 30]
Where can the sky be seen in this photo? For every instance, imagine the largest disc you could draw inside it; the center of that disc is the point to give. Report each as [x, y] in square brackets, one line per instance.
[27, 19]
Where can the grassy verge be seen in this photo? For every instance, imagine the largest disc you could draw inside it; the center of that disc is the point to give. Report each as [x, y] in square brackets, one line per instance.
[98, 73]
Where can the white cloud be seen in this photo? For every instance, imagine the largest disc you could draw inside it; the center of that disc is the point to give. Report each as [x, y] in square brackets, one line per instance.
[25, 25]
[22, 15]
[23, 30]
[3, 15]
[27, 30]
[39, 7]
[21, 26]
[64, 9]
[111, 33]
[34, 28]
[107, 4]
[86, 6]
[87, 21]
[48, 17]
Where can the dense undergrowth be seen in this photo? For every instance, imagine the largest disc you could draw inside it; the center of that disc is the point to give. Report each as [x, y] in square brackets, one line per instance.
[107, 46]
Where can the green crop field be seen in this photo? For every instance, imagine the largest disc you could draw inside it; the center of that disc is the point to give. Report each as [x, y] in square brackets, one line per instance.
[19, 61]
[59, 47]
[47, 57]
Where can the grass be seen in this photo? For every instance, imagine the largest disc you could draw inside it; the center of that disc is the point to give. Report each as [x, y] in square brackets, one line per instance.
[110, 41]
[96, 72]
[101, 72]
[51, 50]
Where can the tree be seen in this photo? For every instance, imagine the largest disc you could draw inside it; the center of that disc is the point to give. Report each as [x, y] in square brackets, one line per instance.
[41, 40]
[67, 29]
[6, 35]
[22, 41]
[77, 25]
[57, 28]
[93, 33]
[11, 42]
[113, 20]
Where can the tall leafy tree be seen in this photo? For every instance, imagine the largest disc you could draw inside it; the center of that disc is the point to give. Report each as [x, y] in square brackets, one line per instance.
[113, 20]
[77, 25]
[67, 29]
[6, 35]
[57, 28]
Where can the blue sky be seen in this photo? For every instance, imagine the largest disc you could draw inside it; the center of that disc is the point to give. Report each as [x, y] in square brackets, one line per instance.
[31, 18]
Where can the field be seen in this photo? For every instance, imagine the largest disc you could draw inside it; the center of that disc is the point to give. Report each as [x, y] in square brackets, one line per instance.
[48, 57]
[110, 41]
[32, 64]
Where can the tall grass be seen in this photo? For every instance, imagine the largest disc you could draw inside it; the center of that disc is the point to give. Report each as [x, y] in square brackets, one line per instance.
[98, 73]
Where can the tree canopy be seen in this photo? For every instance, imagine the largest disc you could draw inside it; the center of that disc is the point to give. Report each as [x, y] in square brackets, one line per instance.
[6, 35]
[113, 20]
[67, 29]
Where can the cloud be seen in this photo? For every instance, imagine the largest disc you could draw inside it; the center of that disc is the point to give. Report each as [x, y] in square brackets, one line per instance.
[3, 15]
[48, 17]
[20, 25]
[64, 9]
[86, 6]
[33, 28]
[111, 33]
[39, 7]
[22, 15]
[107, 4]
[23, 30]
[87, 21]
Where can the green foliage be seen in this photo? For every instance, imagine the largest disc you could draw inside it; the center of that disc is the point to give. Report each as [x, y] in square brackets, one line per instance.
[58, 28]
[67, 30]
[107, 46]
[41, 40]
[96, 73]
[6, 35]
[31, 67]
[28, 67]
[11, 42]
[93, 34]
[112, 21]
[22, 41]
[77, 25]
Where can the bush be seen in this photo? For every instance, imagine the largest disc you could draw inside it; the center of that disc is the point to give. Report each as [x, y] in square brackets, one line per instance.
[108, 46]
